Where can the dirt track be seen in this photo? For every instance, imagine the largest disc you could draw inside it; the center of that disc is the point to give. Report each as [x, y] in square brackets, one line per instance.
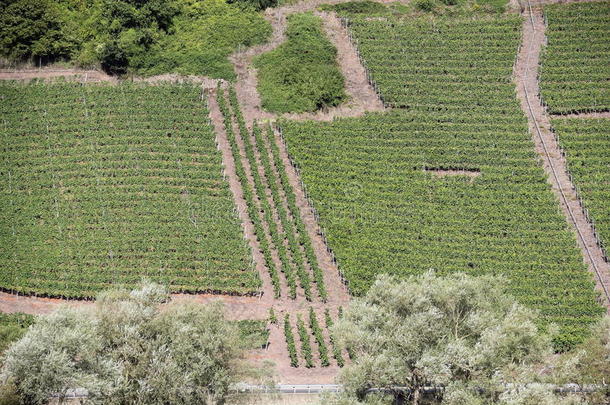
[526, 78]
[362, 96]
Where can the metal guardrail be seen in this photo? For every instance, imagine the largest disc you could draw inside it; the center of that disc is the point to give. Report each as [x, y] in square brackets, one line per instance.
[330, 388]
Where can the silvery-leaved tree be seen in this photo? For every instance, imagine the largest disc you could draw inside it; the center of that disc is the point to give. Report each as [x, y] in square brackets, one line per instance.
[127, 348]
[459, 332]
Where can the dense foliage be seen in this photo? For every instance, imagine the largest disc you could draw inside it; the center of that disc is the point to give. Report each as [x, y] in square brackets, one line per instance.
[101, 185]
[380, 183]
[575, 64]
[206, 32]
[41, 30]
[586, 143]
[131, 36]
[302, 73]
[589, 363]
[12, 327]
[369, 8]
[125, 349]
[459, 332]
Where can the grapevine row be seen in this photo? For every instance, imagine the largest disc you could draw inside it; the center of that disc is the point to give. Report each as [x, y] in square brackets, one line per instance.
[286, 222]
[575, 64]
[249, 195]
[384, 209]
[103, 185]
[303, 236]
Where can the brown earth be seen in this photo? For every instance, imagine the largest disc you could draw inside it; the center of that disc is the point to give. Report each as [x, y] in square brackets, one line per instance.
[605, 114]
[554, 163]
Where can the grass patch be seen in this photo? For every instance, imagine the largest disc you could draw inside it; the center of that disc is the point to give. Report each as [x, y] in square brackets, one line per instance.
[203, 39]
[301, 74]
[12, 328]
[366, 8]
[456, 8]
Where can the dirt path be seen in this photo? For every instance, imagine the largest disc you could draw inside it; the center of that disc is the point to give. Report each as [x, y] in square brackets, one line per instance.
[97, 76]
[337, 291]
[526, 77]
[362, 96]
[237, 307]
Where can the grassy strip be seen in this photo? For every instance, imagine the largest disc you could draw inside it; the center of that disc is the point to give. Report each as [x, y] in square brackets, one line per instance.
[305, 344]
[292, 349]
[303, 236]
[317, 333]
[248, 195]
[262, 196]
[287, 224]
[336, 349]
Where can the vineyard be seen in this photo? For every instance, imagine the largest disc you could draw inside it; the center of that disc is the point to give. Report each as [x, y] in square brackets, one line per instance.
[449, 179]
[444, 66]
[285, 245]
[204, 189]
[575, 67]
[586, 143]
[103, 185]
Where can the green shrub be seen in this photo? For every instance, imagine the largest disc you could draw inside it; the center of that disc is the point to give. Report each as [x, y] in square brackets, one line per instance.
[132, 36]
[35, 29]
[366, 7]
[205, 33]
[129, 347]
[425, 5]
[12, 327]
[257, 4]
[301, 74]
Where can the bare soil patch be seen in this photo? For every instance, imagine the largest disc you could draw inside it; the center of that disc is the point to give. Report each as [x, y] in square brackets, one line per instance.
[472, 173]
[604, 114]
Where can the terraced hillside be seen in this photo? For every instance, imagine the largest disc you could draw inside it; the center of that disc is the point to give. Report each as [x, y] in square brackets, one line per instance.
[575, 65]
[102, 185]
[449, 179]
[586, 143]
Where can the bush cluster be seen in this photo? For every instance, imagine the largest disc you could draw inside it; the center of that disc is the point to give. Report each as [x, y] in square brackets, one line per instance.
[301, 74]
[131, 36]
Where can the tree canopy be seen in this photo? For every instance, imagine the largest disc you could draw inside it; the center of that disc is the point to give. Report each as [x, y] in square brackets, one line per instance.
[132, 36]
[459, 332]
[127, 349]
